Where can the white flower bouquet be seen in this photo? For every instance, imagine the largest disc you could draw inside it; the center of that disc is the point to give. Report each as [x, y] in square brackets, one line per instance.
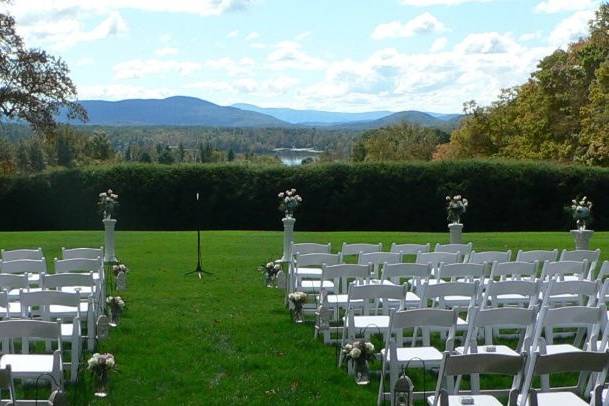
[289, 202]
[297, 299]
[116, 304]
[107, 203]
[456, 207]
[270, 270]
[115, 301]
[100, 365]
[118, 268]
[359, 351]
[581, 211]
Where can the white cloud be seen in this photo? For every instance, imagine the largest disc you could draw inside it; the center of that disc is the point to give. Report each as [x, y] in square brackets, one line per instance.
[422, 24]
[233, 34]
[439, 44]
[249, 86]
[427, 3]
[252, 36]
[139, 68]
[570, 29]
[230, 66]
[303, 35]
[166, 51]
[120, 92]
[530, 36]
[557, 6]
[488, 43]
[289, 55]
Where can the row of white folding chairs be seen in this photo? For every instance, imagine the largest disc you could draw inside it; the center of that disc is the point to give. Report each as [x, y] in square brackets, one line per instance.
[392, 324]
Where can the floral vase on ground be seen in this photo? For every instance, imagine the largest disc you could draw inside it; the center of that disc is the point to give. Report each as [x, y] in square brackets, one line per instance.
[100, 365]
[362, 373]
[116, 305]
[297, 300]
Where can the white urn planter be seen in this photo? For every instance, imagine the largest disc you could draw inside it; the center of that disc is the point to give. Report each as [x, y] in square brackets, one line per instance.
[456, 231]
[109, 254]
[288, 237]
[582, 238]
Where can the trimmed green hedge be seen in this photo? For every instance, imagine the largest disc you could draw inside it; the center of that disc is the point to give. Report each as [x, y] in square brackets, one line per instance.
[395, 196]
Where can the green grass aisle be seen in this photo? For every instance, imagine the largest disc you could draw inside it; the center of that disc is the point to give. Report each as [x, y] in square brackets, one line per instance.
[228, 339]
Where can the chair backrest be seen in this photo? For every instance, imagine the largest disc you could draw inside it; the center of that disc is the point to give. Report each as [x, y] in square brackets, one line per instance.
[310, 248]
[514, 270]
[376, 291]
[486, 363]
[489, 257]
[89, 253]
[500, 317]
[316, 259]
[587, 291]
[343, 274]
[425, 318]
[360, 248]
[562, 268]
[410, 249]
[527, 289]
[61, 280]
[572, 316]
[463, 249]
[12, 255]
[78, 265]
[48, 298]
[537, 255]
[435, 258]
[10, 329]
[379, 258]
[439, 294]
[13, 281]
[468, 272]
[415, 274]
[20, 266]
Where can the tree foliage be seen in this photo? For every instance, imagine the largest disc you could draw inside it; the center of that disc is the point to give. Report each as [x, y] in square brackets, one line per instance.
[561, 113]
[34, 86]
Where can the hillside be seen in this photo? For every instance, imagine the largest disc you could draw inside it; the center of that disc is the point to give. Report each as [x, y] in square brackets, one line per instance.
[174, 111]
[313, 117]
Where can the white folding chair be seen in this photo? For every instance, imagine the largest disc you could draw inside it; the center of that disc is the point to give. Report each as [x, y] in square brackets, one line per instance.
[415, 276]
[32, 267]
[489, 257]
[12, 284]
[463, 249]
[539, 256]
[436, 258]
[13, 255]
[460, 272]
[376, 260]
[592, 256]
[545, 364]
[395, 355]
[88, 253]
[454, 365]
[365, 314]
[572, 292]
[84, 265]
[24, 365]
[309, 248]
[52, 305]
[564, 270]
[458, 296]
[306, 271]
[349, 250]
[520, 293]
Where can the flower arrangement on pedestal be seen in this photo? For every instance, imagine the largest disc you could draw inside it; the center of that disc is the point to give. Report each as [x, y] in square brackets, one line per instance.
[270, 270]
[581, 211]
[116, 305]
[100, 365]
[297, 299]
[456, 207]
[107, 204]
[289, 202]
[359, 353]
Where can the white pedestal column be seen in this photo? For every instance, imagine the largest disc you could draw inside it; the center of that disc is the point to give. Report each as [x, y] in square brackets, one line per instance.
[109, 225]
[455, 230]
[582, 238]
[288, 237]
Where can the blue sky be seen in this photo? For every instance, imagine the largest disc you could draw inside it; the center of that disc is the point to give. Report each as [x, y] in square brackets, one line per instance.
[338, 55]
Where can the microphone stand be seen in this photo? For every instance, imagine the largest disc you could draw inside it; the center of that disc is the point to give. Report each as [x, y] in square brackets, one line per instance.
[199, 269]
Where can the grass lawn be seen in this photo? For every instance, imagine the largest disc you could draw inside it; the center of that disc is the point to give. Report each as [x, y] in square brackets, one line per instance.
[228, 339]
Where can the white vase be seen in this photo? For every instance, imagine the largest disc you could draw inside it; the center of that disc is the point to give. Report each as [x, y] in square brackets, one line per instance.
[456, 230]
[109, 226]
[582, 238]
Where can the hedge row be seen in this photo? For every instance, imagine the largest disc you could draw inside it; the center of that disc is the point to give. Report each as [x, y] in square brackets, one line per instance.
[397, 196]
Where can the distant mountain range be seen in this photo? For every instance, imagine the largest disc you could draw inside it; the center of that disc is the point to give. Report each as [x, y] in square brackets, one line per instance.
[190, 111]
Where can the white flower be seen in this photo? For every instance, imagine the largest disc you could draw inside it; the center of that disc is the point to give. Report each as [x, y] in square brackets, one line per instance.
[355, 353]
[277, 267]
[110, 362]
[269, 265]
[109, 191]
[289, 193]
[298, 198]
[293, 190]
[102, 194]
[348, 347]
[281, 195]
[370, 347]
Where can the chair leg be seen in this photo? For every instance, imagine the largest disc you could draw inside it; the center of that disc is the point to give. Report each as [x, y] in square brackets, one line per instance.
[90, 331]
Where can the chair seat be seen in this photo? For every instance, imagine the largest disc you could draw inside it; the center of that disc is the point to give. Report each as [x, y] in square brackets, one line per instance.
[67, 329]
[84, 290]
[14, 309]
[415, 355]
[316, 285]
[561, 348]
[512, 298]
[560, 398]
[479, 400]
[305, 271]
[70, 310]
[340, 299]
[499, 349]
[371, 322]
[28, 364]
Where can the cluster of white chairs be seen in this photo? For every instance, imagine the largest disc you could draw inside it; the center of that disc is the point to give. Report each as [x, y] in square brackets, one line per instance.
[468, 298]
[54, 308]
